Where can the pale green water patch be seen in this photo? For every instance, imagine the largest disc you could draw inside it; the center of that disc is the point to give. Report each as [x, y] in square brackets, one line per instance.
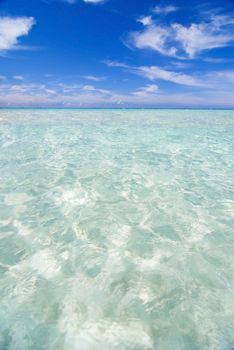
[116, 229]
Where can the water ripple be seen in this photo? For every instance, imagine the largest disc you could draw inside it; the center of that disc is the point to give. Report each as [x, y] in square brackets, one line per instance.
[116, 230]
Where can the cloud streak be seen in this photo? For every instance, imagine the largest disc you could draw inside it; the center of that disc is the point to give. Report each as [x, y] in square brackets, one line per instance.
[146, 91]
[94, 78]
[18, 77]
[164, 9]
[158, 73]
[94, 1]
[71, 2]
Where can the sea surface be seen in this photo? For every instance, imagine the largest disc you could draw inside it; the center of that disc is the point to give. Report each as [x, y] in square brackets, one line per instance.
[116, 229]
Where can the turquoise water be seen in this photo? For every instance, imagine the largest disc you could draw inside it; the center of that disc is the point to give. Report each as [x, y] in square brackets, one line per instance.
[116, 229]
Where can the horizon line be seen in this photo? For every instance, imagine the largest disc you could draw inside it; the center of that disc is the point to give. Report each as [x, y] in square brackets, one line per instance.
[123, 108]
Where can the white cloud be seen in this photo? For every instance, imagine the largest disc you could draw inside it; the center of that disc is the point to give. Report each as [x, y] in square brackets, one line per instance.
[117, 64]
[154, 37]
[150, 88]
[94, 1]
[145, 20]
[71, 2]
[200, 37]
[11, 28]
[164, 9]
[27, 95]
[226, 77]
[94, 78]
[18, 77]
[94, 89]
[88, 88]
[146, 90]
[217, 60]
[74, 95]
[30, 94]
[177, 40]
[157, 73]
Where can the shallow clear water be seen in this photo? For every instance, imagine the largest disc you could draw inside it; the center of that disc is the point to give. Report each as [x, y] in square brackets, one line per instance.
[116, 229]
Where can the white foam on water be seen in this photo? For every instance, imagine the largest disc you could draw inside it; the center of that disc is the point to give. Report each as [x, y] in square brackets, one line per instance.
[105, 335]
[16, 198]
[42, 262]
[22, 229]
[45, 263]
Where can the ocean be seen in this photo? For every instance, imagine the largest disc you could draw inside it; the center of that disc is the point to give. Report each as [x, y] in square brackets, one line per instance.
[116, 229]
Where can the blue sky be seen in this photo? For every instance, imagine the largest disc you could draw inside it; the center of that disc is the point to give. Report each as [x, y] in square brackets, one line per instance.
[117, 53]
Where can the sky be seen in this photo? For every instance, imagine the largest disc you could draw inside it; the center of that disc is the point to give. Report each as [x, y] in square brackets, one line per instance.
[117, 53]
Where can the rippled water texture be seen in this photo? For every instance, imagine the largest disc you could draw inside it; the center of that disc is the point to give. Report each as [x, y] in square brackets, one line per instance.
[116, 230]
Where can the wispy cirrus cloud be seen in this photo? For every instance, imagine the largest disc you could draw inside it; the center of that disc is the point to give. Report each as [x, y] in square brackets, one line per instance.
[146, 90]
[116, 64]
[94, 1]
[183, 41]
[158, 73]
[154, 37]
[34, 94]
[164, 9]
[94, 78]
[216, 33]
[74, 95]
[226, 77]
[11, 29]
[92, 88]
[71, 2]
[18, 77]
